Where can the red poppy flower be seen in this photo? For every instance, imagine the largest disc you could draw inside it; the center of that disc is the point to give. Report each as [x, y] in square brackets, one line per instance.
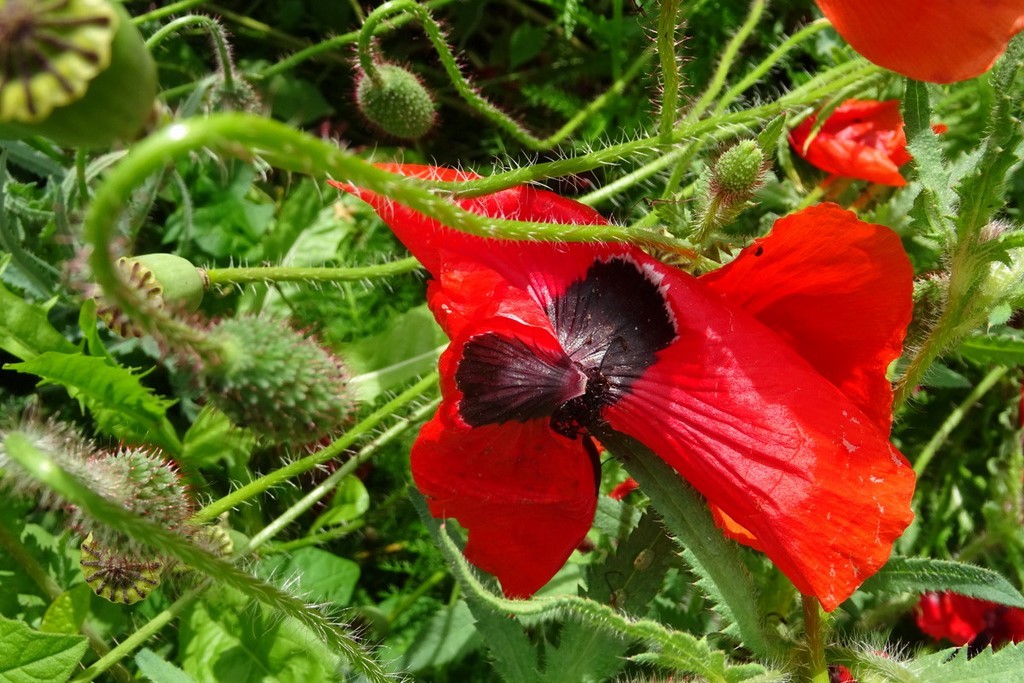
[763, 384]
[940, 41]
[964, 620]
[623, 489]
[861, 139]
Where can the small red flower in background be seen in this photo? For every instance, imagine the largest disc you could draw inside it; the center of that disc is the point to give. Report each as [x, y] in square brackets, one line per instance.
[940, 41]
[964, 620]
[623, 489]
[762, 383]
[861, 139]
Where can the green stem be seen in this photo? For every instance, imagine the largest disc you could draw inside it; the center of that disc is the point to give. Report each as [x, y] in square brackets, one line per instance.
[956, 417]
[327, 485]
[139, 636]
[755, 74]
[244, 276]
[217, 35]
[669, 67]
[728, 59]
[297, 467]
[166, 11]
[48, 471]
[814, 637]
[713, 557]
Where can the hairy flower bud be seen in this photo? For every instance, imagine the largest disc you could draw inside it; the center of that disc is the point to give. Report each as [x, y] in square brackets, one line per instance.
[277, 381]
[394, 100]
[739, 171]
[77, 72]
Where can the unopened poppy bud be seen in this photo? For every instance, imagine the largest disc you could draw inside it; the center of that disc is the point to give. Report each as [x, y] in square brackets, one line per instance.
[77, 72]
[738, 172]
[395, 100]
[277, 381]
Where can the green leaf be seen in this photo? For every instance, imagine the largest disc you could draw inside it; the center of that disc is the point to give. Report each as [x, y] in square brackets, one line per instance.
[212, 437]
[515, 658]
[583, 653]
[934, 206]
[68, 611]
[157, 669]
[386, 361]
[953, 666]
[90, 332]
[631, 576]
[120, 404]
[1002, 349]
[25, 331]
[230, 639]
[448, 636]
[320, 576]
[28, 656]
[351, 500]
[525, 43]
[919, 575]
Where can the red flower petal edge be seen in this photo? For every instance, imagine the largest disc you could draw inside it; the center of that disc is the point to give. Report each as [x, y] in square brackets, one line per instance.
[963, 620]
[861, 139]
[940, 41]
[553, 343]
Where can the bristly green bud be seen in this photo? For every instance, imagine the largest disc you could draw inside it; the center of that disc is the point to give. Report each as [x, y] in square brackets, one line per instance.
[277, 381]
[396, 101]
[739, 171]
[75, 71]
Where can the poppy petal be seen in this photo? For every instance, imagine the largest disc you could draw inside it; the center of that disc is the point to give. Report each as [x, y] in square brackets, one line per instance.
[762, 435]
[427, 239]
[940, 41]
[525, 494]
[835, 289]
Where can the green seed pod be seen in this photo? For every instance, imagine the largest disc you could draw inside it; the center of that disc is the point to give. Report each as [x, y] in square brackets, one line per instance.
[396, 102]
[739, 170]
[77, 72]
[277, 381]
[177, 282]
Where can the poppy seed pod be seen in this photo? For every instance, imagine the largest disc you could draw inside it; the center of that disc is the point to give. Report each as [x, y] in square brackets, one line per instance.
[396, 102]
[77, 72]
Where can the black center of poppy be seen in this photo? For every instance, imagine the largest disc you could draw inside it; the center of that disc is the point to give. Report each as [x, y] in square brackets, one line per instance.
[610, 325]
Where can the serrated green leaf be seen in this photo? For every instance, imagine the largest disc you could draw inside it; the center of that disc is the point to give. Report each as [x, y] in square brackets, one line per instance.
[448, 636]
[584, 654]
[158, 670]
[25, 331]
[631, 576]
[68, 611]
[953, 666]
[90, 332]
[351, 500]
[1003, 349]
[28, 656]
[515, 658]
[919, 575]
[934, 205]
[119, 403]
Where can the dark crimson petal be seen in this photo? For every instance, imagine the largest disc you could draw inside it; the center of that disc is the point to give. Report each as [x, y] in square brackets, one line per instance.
[613, 320]
[504, 378]
[835, 289]
[428, 240]
[956, 618]
[940, 41]
[525, 494]
[762, 435]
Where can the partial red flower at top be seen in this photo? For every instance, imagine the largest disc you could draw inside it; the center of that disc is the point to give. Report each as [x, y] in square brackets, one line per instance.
[861, 139]
[940, 41]
[762, 383]
[964, 620]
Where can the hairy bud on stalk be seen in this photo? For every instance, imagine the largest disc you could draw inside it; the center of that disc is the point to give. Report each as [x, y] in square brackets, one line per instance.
[77, 72]
[277, 381]
[165, 280]
[736, 176]
[394, 100]
[117, 567]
